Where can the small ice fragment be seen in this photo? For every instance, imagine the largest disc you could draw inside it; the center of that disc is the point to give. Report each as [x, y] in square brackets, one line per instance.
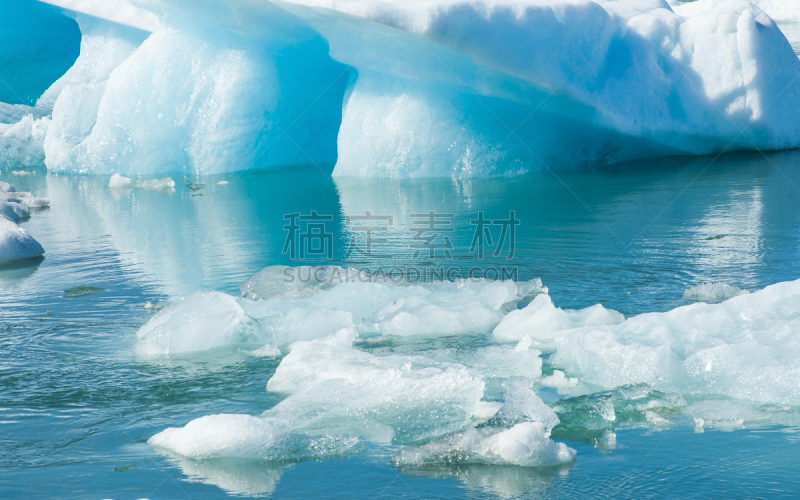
[223, 183]
[152, 307]
[81, 291]
[527, 444]
[6, 187]
[657, 421]
[485, 410]
[159, 185]
[608, 441]
[22, 173]
[195, 186]
[712, 293]
[558, 380]
[267, 351]
[699, 425]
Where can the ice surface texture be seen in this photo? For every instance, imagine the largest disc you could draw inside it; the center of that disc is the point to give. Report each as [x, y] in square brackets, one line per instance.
[433, 88]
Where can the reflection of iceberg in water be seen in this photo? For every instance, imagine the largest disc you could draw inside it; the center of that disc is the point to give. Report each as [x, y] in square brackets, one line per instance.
[235, 476]
[187, 243]
[505, 481]
[730, 232]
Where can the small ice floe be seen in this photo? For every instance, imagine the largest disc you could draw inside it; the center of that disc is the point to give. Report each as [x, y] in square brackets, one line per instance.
[152, 307]
[195, 186]
[15, 242]
[245, 436]
[81, 291]
[712, 293]
[22, 173]
[267, 351]
[223, 183]
[159, 185]
[558, 380]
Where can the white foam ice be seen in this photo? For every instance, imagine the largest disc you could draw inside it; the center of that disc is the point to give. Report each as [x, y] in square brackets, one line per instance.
[744, 348]
[245, 436]
[336, 389]
[712, 292]
[544, 322]
[119, 182]
[197, 322]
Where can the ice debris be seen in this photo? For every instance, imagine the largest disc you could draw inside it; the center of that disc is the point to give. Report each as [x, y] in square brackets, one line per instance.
[119, 182]
[712, 292]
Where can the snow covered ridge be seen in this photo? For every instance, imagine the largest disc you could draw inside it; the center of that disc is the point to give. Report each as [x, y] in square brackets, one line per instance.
[15, 243]
[430, 88]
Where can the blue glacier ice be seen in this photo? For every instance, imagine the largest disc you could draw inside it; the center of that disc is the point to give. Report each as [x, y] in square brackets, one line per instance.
[432, 88]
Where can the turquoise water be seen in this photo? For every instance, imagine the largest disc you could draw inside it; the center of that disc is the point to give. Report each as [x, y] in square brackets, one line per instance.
[77, 407]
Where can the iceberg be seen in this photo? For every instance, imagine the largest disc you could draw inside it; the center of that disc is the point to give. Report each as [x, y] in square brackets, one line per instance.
[436, 88]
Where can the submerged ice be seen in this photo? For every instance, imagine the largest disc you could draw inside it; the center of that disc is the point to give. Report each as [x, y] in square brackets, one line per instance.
[437, 88]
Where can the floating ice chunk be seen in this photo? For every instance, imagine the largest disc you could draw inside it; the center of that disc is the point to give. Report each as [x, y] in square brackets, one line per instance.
[197, 322]
[544, 322]
[523, 405]
[152, 307]
[22, 173]
[245, 436]
[286, 281]
[337, 389]
[119, 182]
[657, 421]
[558, 380]
[223, 183]
[16, 243]
[590, 416]
[25, 198]
[712, 292]
[6, 187]
[526, 444]
[266, 351]
[13, 210]
[724, 414]
[744, 348]
[305, 303]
